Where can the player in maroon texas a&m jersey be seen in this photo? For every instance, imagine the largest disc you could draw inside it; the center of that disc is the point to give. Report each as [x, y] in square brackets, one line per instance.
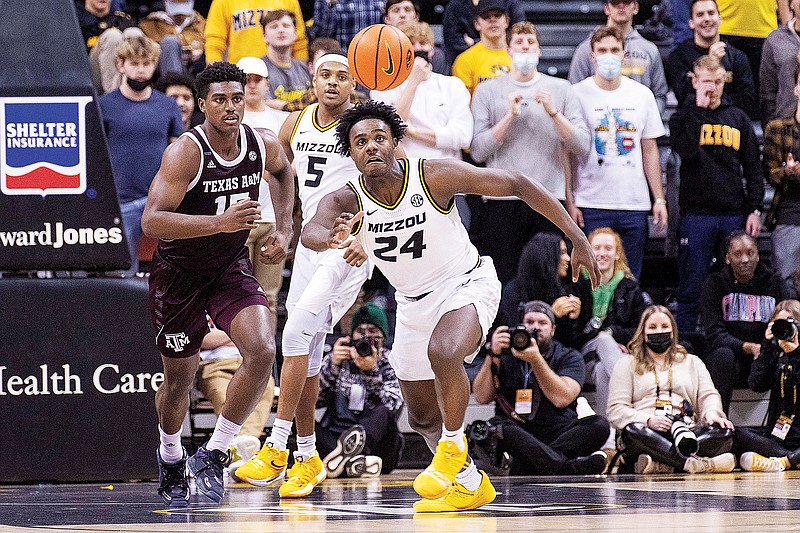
[201, 206]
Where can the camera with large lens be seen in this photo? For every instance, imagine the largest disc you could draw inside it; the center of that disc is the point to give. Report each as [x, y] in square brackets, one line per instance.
[363, 346]
[683, 438]
[483, 438]
[521, 338]
[783, 329]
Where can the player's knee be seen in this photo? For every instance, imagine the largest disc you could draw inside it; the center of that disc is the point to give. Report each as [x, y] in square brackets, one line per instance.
[444, 353]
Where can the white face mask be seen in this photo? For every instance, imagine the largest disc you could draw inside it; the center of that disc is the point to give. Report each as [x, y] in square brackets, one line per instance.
[525, 63]
[609, 65]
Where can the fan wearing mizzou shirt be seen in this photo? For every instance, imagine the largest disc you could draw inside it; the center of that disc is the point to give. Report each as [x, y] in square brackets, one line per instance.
[202, 206]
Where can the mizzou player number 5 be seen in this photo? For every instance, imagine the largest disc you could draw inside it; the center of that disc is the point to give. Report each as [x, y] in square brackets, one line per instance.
[313, 161]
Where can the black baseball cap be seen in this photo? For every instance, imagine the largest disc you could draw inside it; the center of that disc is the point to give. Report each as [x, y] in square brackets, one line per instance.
[484, 6]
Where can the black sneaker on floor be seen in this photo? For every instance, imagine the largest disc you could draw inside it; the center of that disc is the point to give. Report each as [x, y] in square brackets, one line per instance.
[206, 467]
[173, 486]
[588, 465]
[349, 444]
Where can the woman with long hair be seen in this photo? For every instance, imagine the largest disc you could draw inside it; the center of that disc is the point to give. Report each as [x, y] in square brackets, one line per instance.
[656, 389]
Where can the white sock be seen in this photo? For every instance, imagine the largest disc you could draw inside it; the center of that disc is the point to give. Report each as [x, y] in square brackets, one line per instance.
[170, 448]
[281, 430]
[223, 434]
[306, 446]
[456, 436]
[470, 477]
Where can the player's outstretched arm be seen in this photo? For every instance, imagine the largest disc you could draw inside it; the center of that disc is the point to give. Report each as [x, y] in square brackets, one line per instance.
[281, 188]
[448, 177]
[179, 165]
[333, 221]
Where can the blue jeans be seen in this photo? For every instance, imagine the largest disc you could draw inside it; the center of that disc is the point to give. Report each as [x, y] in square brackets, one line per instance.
[700, 238]
[132, 221]
[631, 226]
[681, 13]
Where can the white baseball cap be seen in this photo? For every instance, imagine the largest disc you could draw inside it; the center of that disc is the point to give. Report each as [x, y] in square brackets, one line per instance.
[179, 7]
[253, 65]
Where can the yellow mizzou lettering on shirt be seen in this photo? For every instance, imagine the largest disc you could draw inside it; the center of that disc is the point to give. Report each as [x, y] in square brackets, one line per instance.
[720, 135]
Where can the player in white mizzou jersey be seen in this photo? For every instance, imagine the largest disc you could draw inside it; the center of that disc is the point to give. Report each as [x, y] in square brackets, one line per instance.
[438, 329]
[323, 285]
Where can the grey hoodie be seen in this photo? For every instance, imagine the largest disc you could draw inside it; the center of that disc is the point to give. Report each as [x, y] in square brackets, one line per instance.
[778, 61]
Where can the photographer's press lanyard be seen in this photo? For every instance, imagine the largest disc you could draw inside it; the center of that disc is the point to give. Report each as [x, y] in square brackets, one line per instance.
[663, 407]
[524, 403]
[784, 422]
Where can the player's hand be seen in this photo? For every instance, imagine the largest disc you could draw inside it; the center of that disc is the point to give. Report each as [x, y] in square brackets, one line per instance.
[275, 248]
[792, 166]
[660, 214]
[753, 225]
[240, 216]
[341, 350]
[515, 103]
[341, 233]
[355, 255]
[583, 257]
[544, 97]
[501, 339]
[718, 49]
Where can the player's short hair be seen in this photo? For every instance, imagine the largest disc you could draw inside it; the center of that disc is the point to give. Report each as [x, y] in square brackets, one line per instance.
[277, 14]
[606, 31]
[324, 44]
[216, 73]
[364, 111]
[707, 62]
[419, 32]
[172, 79]
[138, 46]
[523, 27]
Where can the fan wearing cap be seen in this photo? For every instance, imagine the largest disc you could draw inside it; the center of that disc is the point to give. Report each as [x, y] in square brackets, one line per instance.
[361, 394]
[180, 30]
[488, 58]
[260, 116]
[535, 389]
[323, 285]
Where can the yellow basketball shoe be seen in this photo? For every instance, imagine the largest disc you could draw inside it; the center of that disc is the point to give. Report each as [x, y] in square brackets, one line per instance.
[436, 480]
[303, 477]
[459, 498]
[264, 467]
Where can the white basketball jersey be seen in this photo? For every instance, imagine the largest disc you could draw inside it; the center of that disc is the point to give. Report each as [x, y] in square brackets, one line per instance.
[415, 243]
[320, 169]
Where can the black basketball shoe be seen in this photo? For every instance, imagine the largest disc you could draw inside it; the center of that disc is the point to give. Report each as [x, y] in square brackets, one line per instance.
[206, 467]
[173, 486]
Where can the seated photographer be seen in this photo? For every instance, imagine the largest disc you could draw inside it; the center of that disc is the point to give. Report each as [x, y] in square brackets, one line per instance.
[775, 446]
[358, 434]
[736, 304]
[664, 403]
[535, 381]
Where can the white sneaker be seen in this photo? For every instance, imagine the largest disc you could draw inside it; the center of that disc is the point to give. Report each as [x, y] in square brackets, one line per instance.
[364, 466]
[754, 462]
[722, 463]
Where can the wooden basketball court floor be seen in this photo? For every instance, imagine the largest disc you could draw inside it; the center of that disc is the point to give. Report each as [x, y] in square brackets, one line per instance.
[643, 504]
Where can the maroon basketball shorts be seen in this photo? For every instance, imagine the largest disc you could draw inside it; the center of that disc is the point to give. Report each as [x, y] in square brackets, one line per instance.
[180, 299]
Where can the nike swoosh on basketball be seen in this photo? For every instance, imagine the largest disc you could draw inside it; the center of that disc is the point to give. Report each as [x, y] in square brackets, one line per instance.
[390, 69]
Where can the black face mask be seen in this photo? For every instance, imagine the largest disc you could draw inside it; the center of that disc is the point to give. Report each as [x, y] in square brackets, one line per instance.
[423, 54]
[658, 342]
[136, 85]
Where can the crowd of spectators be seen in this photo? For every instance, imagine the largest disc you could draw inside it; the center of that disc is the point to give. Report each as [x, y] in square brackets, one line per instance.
[590, 139]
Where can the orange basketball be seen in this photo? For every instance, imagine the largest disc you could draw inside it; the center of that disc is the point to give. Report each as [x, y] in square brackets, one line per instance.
[380, 57]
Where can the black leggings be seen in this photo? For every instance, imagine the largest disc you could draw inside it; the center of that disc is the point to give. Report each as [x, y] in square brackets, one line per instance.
[762, 442]
[639, 439]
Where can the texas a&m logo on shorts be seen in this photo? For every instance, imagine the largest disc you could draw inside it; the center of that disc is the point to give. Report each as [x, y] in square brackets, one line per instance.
[44, 145]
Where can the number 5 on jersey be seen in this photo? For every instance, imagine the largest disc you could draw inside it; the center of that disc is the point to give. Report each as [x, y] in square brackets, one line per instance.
[313, 163]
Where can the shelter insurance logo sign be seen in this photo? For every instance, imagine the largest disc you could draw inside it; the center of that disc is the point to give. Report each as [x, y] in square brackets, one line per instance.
[44, 145]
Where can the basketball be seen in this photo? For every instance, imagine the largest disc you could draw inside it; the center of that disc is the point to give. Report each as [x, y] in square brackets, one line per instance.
[380, 57]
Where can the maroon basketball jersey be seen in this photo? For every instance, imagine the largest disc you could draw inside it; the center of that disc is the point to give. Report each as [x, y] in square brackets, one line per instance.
[218, 185]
